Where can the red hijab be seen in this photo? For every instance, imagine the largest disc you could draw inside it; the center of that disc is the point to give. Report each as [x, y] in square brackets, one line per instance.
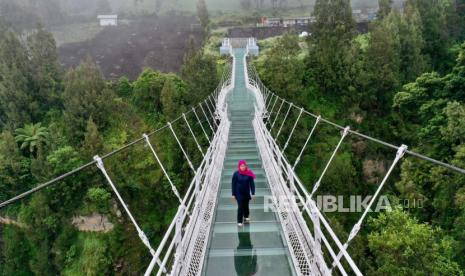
[247, 171]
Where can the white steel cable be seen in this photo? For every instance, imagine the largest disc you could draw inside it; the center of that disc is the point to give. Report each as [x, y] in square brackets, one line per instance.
[193, 135]
[206, 117]
[200, 123]
[317, 184]
[284, 121]
[211, 113]
[142, 236]
[272, 108]
[182, 148]
[277, 114]
[356, 228]
[306, 142]
[173, 187]
[293, 129]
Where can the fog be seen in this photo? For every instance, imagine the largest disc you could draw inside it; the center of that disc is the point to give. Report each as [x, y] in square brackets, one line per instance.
[54, 8]
[25, 14]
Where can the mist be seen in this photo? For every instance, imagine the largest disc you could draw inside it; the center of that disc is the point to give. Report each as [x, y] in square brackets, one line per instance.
[26, 13]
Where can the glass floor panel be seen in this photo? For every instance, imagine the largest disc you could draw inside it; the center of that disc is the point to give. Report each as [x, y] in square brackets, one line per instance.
[246, 240]
[255, 215]
[249, 262]
[258, 248]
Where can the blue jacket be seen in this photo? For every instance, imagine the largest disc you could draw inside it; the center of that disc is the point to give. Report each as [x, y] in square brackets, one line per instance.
[242, 186]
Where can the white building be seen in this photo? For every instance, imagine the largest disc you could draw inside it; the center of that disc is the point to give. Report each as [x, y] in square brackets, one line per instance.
[108, 19]
[286, 22]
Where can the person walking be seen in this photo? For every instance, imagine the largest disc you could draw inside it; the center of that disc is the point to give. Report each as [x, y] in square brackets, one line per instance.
[243, 190]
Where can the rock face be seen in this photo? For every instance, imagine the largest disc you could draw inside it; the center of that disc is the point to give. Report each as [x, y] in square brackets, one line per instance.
[373, 170]
[93, 223]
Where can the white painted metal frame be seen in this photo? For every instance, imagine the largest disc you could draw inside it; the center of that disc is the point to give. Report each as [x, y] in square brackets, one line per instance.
[305, 246]
[184, 243]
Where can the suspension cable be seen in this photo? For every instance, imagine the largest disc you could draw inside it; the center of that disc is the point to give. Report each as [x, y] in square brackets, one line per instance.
[201, 126]
[284, 120]
[272, 108]
[181, 147]
[142, 235]
[93, 162]
[293, 128]
[318, 119]
[173, 187]
[277, 114]
[206, 117]
[356, 228]
[193, 135]
[211, 113]
[317, 184]
[381, 142]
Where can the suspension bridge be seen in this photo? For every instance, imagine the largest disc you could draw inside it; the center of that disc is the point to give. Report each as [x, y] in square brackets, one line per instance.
[292, 237]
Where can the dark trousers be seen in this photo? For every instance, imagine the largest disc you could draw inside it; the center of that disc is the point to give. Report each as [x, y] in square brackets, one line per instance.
[242, 210]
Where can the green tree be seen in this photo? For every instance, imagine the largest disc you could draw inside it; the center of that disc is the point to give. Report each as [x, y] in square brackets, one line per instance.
[93, 141]
[14, 168]
[282, 70]
[17, 107]
[42, 223]
[16, 252]
[124, 87]
[403, 246]
[421, 104]
[454, 129]
[30, 81]
[95, 257]
[86, 95]
[412, 60]
[431, 116]
[172, 97]
[330, 60]
[200, 74]
[385, 7]
[456, 79]
[13, 53]
[147, 90]
[458, 229]
[382, 65]
[66, 196]
[100, 198]
[45, 68]
[435, 32]
[31, 137]
[202, 14]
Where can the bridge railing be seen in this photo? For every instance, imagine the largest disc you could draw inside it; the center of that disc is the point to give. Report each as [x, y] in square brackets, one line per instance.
[313, 244]
[325, 252]
[292, 199]
[172, 254]
[182, 248]
[181, 242]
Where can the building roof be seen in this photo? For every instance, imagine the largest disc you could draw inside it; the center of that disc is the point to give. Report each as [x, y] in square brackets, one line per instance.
[107, 16]
[289, 18]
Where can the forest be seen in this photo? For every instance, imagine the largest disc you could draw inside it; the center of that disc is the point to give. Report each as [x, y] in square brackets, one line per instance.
[54, 120]
[402, 82]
